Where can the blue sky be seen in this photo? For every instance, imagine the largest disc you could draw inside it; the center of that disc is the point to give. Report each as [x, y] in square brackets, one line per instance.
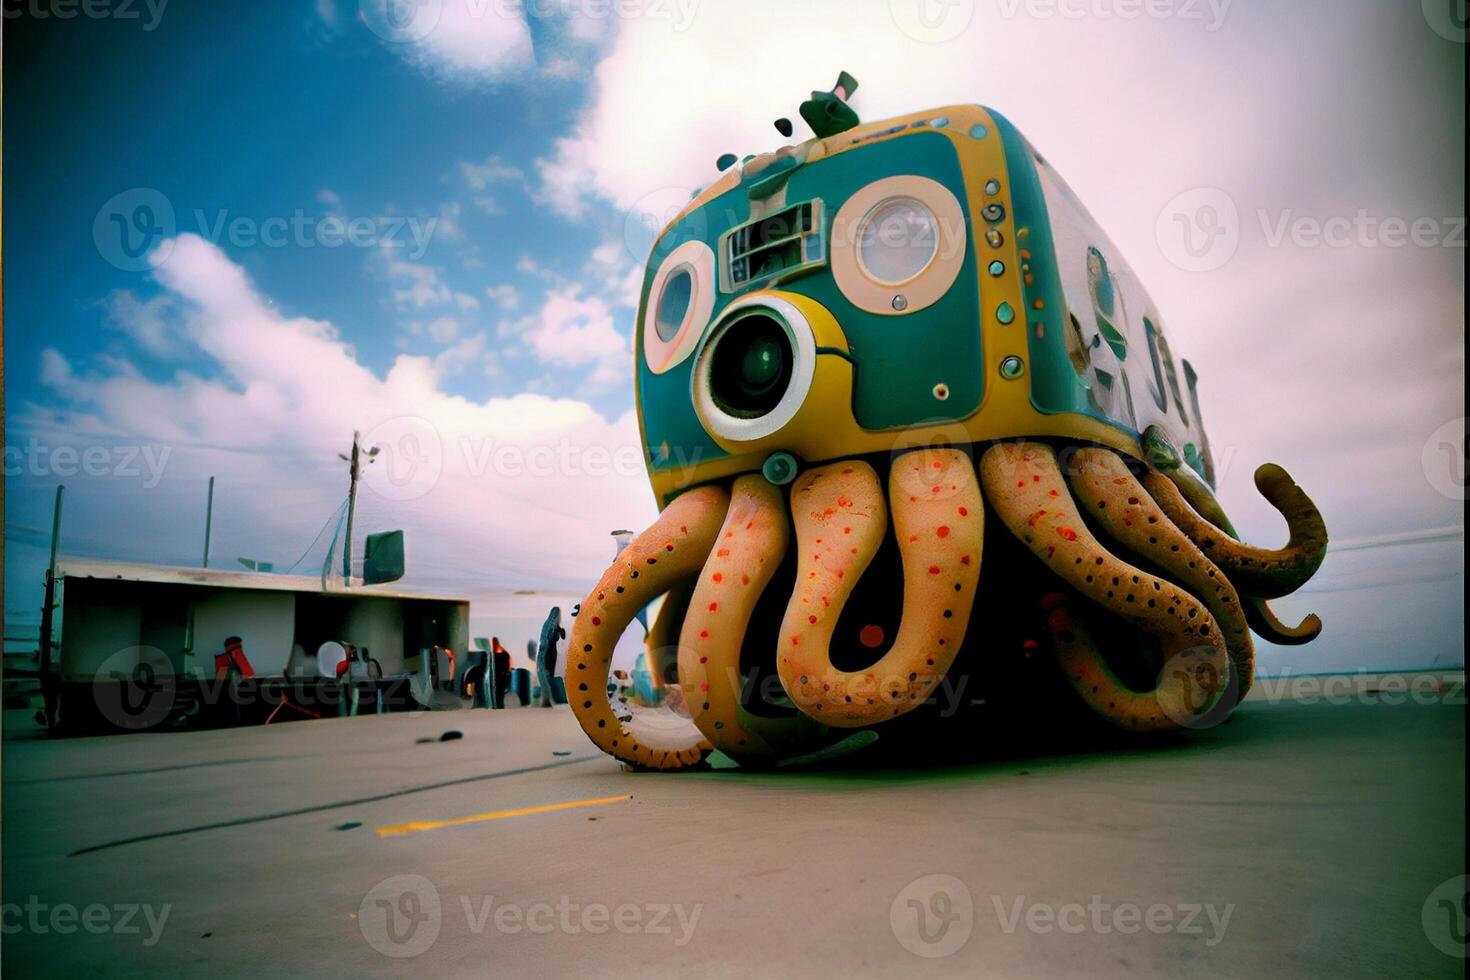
[499, 165]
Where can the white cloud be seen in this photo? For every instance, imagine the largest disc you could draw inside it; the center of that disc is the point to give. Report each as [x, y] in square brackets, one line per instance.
[152, 325]
[414, 285]
[532, 482]
[572, 330]
[492, 170]
[505, 296]
[457, 40]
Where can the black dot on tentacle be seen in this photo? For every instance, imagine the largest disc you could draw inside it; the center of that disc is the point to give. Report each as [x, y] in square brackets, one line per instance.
[635, 573]
[586, 704]
[602, 723]
[587, 648]
[620, 588]
[948, 613]
[653, 561]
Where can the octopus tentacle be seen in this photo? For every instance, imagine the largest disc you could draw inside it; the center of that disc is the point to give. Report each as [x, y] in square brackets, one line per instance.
[1025, 486]
[1130, 517]
[671, 550]
[1256, 571]
[748, 551]
[1265, 622]
[1188, 686]
[938, 518]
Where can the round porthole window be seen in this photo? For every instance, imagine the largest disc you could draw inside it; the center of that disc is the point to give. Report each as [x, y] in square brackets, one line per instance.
[898, 245]
[898, 240]
[681, 298]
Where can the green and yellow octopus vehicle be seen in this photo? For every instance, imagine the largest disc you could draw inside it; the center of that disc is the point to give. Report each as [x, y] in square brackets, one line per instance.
[864, 362]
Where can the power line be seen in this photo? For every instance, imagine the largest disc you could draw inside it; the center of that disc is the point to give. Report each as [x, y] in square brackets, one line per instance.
[325, 525]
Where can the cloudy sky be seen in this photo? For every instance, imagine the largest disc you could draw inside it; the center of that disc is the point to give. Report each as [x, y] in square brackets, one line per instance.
[236, 233]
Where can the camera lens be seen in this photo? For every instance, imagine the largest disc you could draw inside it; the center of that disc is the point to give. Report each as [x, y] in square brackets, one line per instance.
[751, 366]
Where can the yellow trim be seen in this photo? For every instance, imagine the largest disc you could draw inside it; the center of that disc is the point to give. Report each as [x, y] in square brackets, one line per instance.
[419, 825]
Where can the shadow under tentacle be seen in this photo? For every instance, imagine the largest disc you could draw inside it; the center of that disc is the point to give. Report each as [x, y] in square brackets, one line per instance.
[1024, 485]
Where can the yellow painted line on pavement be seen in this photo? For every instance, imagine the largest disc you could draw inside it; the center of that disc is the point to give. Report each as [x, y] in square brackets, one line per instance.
[418, 825]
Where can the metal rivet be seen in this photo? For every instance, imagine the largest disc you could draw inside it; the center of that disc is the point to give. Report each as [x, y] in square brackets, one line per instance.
[779, 468]
[1004, 313]
[1012, 367]
[939, 121]
[941, 391]
[992, 186]
[900, 302]
[993, 212]
[997, 268]
[994, 238]
[978, 131]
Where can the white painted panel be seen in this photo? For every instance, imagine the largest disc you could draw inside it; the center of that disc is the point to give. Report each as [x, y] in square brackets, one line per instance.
[265, 621]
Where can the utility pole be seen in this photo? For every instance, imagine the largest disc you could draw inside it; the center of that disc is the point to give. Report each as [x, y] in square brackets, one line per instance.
[48, 682]
[208, 520]
[355, 462]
